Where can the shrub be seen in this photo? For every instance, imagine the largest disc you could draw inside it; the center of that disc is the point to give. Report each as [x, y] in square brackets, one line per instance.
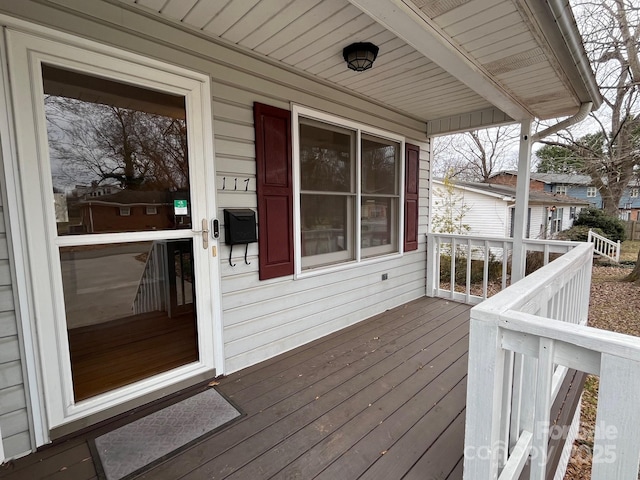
[535, 260]
[477, 269]
[578, 234]
[612, 227]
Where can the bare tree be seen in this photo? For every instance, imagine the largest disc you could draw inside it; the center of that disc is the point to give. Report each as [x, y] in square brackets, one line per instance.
[96, 143]
[611, 151]
[476, 155]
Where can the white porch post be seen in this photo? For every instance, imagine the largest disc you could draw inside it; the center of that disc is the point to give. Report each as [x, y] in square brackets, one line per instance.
[522, 203]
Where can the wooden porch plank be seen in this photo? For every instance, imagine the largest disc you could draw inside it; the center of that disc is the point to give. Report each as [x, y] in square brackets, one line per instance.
[456, 474]
[403, 454]
[71, 460]
[434, 462]
[329, 362]
[248, 438]
[307, 452]
[271, 367]
[381, 434]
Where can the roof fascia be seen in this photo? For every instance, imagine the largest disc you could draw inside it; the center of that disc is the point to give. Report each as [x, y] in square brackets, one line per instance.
[557, 24]
[504, 197]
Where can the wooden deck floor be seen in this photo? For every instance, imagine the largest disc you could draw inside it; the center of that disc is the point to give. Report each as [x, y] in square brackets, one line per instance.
[383, 399]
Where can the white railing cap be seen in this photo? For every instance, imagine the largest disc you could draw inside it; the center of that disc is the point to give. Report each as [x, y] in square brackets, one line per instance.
[523, 291]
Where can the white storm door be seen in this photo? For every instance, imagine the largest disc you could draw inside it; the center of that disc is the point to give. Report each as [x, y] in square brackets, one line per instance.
[115, 157]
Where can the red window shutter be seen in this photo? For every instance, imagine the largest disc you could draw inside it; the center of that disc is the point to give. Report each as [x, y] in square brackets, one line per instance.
[411, 193]
[275, 190]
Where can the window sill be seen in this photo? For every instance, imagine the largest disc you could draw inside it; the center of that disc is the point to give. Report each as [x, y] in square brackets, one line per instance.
[316, 271]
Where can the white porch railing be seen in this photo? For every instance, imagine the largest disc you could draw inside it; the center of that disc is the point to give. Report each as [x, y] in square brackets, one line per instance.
[605, 247]
[521, 340]
[487, 273]
[153, 289]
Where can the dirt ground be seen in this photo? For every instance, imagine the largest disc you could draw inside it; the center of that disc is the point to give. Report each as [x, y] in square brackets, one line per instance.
[614, 306]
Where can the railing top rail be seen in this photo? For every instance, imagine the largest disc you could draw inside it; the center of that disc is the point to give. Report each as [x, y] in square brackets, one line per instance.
[523, 291]
[458, 236]
[526, 241]
[600, 237]
[539, 241]
[590, 338]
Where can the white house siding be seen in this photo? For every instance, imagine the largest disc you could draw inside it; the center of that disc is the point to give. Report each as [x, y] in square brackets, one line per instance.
[484, 214]
[538, 221]
[264, 318]
[14, 423]
[261, 318]
[540, 218]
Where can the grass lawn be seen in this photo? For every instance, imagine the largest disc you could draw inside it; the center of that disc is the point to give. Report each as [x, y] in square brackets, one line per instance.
[613, 305]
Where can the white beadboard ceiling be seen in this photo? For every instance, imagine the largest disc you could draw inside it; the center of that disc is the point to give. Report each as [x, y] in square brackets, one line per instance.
[497, 37]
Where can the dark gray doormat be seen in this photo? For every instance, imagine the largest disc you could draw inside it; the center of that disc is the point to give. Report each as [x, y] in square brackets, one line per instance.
[138, 444]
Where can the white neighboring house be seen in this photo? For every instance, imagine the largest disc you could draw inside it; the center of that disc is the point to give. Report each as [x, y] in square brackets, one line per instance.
[488, 209]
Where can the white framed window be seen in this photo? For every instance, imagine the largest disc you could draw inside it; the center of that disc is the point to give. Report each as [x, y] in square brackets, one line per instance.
[561, 189]
[635, 192]
[591, 192]
[348, 190]
[151, 210]
[125, 211]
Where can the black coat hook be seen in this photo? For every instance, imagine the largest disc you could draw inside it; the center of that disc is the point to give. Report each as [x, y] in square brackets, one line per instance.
[230, 252]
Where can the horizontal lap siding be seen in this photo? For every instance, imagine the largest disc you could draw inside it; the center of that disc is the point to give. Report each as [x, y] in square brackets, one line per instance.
[14, 423]
[484, 214]
[264, 318]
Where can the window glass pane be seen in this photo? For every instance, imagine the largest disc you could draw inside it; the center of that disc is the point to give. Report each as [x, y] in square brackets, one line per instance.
[325, 224]
[326, 157]
[379, 166]
[116, 150]
[378, 225]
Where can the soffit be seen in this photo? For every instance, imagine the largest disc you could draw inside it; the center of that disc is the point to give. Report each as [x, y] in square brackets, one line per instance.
[309, 35]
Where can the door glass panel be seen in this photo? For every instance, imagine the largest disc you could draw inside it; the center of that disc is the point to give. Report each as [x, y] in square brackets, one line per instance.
[130, 311]
[118, 157]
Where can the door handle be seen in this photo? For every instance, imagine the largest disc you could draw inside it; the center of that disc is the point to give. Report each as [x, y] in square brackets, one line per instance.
[205, 233]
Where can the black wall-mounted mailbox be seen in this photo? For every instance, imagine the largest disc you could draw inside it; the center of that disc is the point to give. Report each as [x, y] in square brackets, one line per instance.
[239, 226]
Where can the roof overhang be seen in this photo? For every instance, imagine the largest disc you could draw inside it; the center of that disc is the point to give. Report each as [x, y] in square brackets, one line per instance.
[454, 65]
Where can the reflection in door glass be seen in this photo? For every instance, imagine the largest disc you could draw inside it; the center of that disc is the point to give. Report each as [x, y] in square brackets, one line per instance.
[118, 155]
[130, 311]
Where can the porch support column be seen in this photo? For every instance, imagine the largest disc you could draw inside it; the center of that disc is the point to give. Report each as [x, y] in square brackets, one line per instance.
[519, 256]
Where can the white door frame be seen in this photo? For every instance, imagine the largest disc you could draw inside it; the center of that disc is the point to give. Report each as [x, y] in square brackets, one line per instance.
[26, 51]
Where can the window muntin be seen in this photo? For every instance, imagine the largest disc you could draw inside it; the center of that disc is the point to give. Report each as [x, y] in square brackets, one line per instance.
[561, 189]
[349, 192]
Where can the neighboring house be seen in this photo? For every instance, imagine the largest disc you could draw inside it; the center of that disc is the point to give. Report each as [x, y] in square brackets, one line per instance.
[128, 210]
[334, 163]
[488, 209]
[578, 186]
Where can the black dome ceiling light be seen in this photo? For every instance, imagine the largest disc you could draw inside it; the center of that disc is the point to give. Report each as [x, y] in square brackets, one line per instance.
[360, 56]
